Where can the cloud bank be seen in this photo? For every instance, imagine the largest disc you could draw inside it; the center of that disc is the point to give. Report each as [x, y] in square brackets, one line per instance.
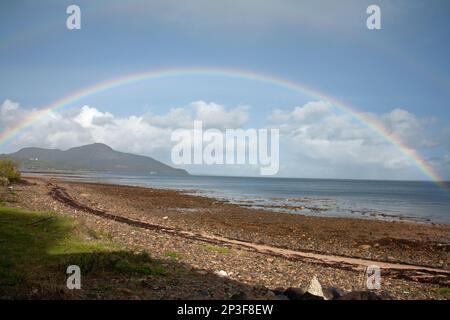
[315, 139]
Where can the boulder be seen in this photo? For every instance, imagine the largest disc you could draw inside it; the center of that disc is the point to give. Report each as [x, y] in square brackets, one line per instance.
[278, 290]
[364, 295]
[309, 296]
[332, 293]
[262, 291]
[281, 296]
[294, 293]
[239, 296]
[315, 288]
[313, 291]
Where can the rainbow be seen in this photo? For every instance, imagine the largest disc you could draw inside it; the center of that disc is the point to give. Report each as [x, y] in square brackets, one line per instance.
[377, 127]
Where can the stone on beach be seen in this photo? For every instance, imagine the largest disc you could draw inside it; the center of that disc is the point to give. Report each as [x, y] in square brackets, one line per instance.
[332, 293]
[239, 296]
[294, 293]
[315, 288]
[364, 295]
[221, 273]
[314, 291]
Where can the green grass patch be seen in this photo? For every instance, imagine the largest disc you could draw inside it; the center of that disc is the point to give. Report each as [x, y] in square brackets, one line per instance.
[218, 249]
[444, 291]
[139, 264]
[173, 255]
[40, 245]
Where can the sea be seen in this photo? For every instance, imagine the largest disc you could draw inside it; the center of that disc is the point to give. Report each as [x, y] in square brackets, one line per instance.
[418, 201]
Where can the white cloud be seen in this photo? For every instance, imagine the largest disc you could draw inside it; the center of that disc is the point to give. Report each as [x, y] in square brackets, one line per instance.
[216, 116]
[319, 136]
[8, 106]
[309, 112]
[408, 128]
[9, 112]
[175, 118]
[316, 140]
[90, 117]
[144, 134]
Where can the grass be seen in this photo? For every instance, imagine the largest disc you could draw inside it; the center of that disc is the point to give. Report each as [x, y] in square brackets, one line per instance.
[444, 291]
[173, 255]
[37, 247]
[218, 249]
[99, 235]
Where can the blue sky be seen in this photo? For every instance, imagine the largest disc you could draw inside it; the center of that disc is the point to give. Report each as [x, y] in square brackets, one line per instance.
[324, 44]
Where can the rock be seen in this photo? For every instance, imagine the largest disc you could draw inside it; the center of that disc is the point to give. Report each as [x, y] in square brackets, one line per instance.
[315, 288]
[364, 295]
[165, 217]
[294, 293]
[365, 246]
[221, 273]
[239, 296]
[202, 272]
[332, 293]
[262, 292]
[203, 293]
[281, 297]
[309, 296]
[278, 290]
[312, 292]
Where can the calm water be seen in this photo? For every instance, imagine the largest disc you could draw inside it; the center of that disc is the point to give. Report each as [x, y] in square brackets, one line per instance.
[391, 200]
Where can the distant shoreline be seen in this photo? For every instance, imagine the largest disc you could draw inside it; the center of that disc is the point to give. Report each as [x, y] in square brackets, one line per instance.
[321, 201]
[77, 172]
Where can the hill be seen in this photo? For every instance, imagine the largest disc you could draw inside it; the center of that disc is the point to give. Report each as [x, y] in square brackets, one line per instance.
[93, 157]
